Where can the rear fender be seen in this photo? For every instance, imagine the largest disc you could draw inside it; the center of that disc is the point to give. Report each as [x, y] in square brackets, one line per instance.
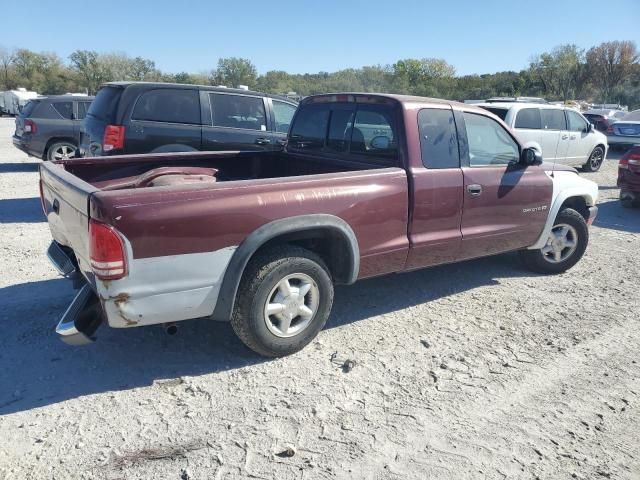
[271, 231]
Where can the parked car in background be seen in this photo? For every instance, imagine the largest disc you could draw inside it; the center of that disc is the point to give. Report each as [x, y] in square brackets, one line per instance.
[564, 135]
[49, 127]
[515, 100]
[629, 177]
[367, 185]
[141, 117]
[602, 119]
[626, 131]
[13, 101]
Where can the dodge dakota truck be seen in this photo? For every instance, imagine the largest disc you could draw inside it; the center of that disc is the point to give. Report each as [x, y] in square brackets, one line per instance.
[367, 185]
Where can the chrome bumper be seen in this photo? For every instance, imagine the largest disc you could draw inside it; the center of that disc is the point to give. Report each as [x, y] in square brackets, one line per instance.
[81, 319]
[60, 260]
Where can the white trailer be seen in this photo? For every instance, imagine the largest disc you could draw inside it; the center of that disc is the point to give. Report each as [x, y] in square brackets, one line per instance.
[14, 100]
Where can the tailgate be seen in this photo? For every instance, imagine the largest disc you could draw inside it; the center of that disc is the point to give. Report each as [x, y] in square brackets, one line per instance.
[66, 203]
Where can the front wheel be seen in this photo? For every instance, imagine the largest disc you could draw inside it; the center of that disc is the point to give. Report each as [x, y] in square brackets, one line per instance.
[595, 160]
[565, 245]
[284, 300]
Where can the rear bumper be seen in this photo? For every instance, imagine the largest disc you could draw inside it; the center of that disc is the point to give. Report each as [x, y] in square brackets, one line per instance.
[78, 324]
[25, 146]
[622, 140]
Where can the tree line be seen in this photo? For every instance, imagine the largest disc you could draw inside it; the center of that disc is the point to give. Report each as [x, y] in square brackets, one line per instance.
[606, 73]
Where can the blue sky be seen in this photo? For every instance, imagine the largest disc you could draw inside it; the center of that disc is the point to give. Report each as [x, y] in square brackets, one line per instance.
[476, 36]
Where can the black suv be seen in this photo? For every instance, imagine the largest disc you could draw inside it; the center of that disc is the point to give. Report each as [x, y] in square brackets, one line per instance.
[142, 117]
[49, 127]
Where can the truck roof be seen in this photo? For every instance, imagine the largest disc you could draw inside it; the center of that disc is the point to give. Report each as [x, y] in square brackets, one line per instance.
[391, 96]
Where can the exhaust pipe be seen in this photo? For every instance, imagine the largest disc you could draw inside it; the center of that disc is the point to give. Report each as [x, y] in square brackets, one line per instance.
[170, 328]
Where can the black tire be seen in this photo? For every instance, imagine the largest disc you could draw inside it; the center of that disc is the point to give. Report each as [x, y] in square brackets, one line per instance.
[262, 275]
[60, 146]
[536, 260]
[626, 201]
[596, 159]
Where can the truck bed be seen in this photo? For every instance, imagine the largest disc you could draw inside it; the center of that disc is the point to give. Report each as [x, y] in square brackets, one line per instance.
[123, 172]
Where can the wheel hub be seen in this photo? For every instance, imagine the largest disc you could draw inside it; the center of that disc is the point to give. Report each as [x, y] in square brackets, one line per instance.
[561, 244]
[291, 305]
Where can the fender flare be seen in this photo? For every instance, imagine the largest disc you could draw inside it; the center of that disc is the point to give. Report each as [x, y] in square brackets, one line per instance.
[233, 274]
[565, 194]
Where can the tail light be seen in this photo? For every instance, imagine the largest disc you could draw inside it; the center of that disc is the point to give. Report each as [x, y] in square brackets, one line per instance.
[30, 127]
[106, 252]
[113, 138]
[610, 130]
[631, 158]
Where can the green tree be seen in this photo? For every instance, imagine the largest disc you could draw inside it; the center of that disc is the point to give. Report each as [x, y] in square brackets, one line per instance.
[233, 72]
[562, 71]
[610, 63]
[90, 70]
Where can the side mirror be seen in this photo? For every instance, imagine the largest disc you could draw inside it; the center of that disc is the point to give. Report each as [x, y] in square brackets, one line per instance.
[531, 155]
[380, 142]
[591, 128]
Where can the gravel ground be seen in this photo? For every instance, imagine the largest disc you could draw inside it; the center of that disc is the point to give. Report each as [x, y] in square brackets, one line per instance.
[474, 370]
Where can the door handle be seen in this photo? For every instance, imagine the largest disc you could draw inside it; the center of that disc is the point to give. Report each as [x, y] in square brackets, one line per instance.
[474, 189]
[263, 141]
[573, 137]
[564, 137]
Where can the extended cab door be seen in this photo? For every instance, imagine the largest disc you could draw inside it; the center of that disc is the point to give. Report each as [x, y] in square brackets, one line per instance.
[236, 122]
[505, 203]
[434, 231]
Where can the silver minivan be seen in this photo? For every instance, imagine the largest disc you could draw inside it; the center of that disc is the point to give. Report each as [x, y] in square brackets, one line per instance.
[564, 135]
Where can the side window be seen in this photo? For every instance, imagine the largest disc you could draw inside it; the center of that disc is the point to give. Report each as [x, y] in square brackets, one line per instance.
[553, 119]
[528, 118]
[168, 105]
[373, 133]
[82, 109]
[238, 111]
[576, 122]
[438, 138]
[65, 109]
[283, 113]
[340, 130]
[489, 143]
[310, 128]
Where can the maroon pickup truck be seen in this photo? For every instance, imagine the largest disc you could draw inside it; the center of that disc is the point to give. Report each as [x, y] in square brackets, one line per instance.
[367, 185]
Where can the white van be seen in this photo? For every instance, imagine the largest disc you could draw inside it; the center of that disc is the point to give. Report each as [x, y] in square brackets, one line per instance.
[564, 135]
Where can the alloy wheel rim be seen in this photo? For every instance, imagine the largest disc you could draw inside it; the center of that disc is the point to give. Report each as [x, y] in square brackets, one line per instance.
[64, 152]
[291, 305]
[596, 158]
[562, 242]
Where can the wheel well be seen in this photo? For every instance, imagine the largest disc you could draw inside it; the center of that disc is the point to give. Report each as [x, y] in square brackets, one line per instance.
[330, 245]
[53, 140]
[579, 204]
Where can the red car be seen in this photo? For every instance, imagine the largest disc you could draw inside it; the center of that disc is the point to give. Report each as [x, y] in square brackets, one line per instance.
[629, 177]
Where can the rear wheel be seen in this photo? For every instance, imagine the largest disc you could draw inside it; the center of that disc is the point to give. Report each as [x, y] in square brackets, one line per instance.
[565, 245]
[595, 160]
[61, 151]
[284, 300]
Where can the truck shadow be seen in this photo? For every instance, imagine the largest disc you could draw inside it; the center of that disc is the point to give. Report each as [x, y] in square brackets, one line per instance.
[40, 370]
[613, 216]
[21, 210]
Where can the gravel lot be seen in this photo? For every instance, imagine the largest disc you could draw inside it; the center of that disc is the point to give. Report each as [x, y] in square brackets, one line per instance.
[474, 370]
